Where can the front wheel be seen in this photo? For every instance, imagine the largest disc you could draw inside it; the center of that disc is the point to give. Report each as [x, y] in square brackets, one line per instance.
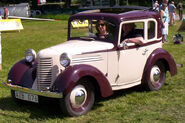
[156, 78]
[80, 100]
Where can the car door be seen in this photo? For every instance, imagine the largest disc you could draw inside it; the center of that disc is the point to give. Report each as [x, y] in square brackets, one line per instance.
[132, 60]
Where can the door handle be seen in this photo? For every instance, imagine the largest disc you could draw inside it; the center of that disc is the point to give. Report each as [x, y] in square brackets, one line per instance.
[144, 52]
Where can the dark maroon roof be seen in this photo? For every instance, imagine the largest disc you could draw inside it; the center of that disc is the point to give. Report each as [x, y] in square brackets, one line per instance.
[99, 16]
[117, 18]
[139, 14]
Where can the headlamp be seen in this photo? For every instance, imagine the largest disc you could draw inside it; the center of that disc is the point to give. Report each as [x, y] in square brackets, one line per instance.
[65, 60]
[30, 55]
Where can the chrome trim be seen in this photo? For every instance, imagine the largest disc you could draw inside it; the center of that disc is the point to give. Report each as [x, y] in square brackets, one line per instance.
[86, 59]
[78, 96]
[30, 55]
[44, 73]
[155, 74]
[65, 57]
[31, 91]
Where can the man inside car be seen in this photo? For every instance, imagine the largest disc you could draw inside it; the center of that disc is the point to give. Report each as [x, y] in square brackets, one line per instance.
[131, 35]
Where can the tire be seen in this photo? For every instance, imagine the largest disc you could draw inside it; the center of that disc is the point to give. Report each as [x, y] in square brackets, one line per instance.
[32, 13]
[156, 78]
[71, 107]
[38, 12]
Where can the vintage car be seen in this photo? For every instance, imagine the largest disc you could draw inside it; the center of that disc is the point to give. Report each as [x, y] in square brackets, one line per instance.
[87, 65]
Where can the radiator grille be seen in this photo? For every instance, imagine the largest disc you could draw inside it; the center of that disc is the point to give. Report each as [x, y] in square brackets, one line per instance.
[44, 73]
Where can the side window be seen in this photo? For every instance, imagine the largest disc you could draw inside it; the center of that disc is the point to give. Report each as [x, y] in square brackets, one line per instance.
[151, 29]
[132, 30]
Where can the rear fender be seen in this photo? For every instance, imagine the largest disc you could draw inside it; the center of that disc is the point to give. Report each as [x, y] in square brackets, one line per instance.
[70, 76]
[163, 56]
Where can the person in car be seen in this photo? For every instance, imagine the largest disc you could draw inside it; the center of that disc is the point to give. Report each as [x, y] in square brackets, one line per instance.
[102, 30]
[130, 35]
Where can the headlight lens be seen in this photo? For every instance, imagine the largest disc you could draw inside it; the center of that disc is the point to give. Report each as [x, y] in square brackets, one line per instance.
[30, 55]
[65, 60]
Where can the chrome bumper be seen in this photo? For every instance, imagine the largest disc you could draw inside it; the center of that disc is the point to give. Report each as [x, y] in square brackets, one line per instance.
[35, 92]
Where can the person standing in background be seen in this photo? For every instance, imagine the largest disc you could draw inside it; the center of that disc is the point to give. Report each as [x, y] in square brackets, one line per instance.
[180, 7]
[163, 16]
[167, 13]
[172, 10]
[156, 5]
[6, 13]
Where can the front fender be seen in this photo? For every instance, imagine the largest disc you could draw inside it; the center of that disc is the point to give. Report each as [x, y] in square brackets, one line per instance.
[67, 79]
[22, 73]
[165, 57]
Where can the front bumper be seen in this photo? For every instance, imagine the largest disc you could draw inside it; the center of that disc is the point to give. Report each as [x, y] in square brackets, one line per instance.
[35, 92]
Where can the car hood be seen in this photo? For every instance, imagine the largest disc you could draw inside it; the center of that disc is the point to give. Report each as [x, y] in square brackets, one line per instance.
[74, 47]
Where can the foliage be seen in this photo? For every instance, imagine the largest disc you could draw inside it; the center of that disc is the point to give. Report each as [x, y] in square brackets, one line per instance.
[112, 2]
[1, 3]
[129, 105]
[76, 1]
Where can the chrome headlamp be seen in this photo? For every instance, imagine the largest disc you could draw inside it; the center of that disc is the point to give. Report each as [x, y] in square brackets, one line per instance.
[65, 60]
[30, 55]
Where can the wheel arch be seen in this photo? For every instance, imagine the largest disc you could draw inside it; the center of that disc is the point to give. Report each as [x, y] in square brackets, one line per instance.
[21, 71]
[94, 82]
[71, 75]
[162, 56]
[165, 63]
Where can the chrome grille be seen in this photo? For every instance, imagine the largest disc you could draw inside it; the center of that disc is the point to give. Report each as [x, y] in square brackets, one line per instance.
[44, 73]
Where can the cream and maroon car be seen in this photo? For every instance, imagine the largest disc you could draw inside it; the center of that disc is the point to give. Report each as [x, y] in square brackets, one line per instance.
[85, 65]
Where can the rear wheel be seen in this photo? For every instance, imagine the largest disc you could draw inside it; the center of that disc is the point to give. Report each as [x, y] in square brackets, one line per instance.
[157, 77]
[80, 100]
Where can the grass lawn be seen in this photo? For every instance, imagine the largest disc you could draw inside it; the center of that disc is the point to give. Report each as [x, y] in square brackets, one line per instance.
[131, 105]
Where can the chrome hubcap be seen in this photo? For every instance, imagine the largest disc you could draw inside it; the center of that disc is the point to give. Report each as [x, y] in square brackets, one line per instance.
[78, 96]
[155, 74]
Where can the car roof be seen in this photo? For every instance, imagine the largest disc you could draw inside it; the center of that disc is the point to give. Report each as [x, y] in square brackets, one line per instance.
[118, 18]
[98, 16]
[139, 14]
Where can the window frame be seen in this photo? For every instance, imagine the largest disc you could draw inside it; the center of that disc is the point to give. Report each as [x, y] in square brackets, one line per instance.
[145, 21]
[155, 37]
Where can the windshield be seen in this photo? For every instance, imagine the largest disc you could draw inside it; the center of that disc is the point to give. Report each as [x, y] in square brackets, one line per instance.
[101, 30]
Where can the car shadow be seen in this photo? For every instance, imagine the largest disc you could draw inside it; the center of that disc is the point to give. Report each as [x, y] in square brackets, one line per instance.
[47, 108]
[50, 108]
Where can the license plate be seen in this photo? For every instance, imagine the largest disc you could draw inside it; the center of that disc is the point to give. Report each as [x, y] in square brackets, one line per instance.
[26, 96]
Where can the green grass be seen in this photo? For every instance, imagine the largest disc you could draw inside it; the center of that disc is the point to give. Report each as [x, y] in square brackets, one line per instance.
[131, 105]
[57, 16]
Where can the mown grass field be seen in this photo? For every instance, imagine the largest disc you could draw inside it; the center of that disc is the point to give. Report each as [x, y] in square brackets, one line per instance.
[131, 105]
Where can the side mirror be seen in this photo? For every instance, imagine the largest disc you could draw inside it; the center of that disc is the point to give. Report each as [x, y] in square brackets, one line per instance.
[124, 45]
